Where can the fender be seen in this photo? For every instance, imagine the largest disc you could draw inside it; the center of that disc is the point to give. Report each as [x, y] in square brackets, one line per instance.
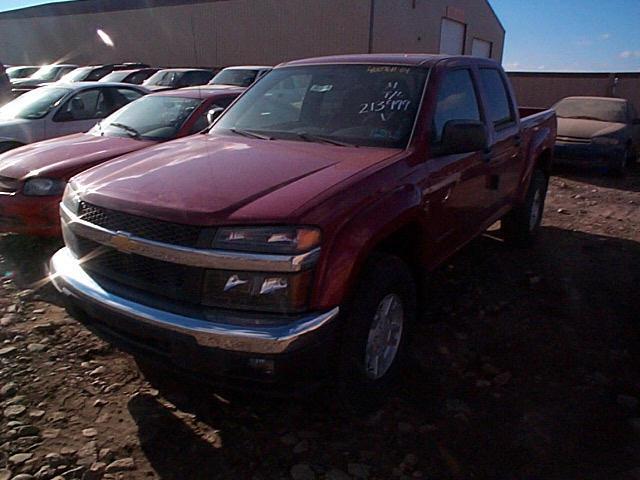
[357, 237]
[542, 140]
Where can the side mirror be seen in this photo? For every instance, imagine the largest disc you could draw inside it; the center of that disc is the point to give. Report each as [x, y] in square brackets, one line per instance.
[213, 114]
[462, 136]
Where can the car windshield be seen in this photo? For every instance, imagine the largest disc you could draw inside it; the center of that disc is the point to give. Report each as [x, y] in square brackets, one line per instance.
[76, 75]
[118, 76]
[21, 72]
[592, 109]
[151, 117]
[368, 105]
[34, 104]
[237, 77]
[164, 78]
[47, 73]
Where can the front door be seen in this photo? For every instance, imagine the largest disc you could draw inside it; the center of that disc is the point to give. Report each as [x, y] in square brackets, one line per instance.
[455, 195]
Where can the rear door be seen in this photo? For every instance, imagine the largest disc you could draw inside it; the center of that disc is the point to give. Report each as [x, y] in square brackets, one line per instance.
[506, 161]
[455, 185]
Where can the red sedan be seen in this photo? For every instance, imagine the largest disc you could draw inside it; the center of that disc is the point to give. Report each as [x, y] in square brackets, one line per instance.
[33, 177]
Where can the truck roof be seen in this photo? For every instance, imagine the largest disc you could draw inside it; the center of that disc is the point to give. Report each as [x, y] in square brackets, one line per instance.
[409, 59]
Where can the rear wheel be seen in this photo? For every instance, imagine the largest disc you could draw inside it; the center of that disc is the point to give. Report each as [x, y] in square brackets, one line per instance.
[521, 225]
[375, 336]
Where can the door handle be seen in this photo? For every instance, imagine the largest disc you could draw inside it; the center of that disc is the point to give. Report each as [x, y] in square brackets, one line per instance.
[517, 140]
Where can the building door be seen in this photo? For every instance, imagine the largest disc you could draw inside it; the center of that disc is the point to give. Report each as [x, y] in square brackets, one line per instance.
[481, 48]
[452, 37]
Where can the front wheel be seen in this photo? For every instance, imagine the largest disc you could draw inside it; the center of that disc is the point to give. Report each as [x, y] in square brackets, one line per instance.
[376, 330]
[521, 225]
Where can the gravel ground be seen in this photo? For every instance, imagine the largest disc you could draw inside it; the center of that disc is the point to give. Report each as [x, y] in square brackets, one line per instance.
[525, 367]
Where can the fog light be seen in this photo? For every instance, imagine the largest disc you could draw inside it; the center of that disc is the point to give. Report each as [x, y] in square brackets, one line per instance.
[263, 365]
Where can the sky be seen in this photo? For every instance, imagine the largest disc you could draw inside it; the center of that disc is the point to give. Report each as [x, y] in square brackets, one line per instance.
[553, 35]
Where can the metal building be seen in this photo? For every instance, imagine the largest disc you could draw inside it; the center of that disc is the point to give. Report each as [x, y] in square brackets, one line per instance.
[225, 32]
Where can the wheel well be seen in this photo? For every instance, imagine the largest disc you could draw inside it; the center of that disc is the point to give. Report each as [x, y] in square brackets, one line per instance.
[544, 162]
[406, 243]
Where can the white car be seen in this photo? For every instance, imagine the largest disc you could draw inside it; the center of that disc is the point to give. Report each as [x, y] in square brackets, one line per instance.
[61, 109]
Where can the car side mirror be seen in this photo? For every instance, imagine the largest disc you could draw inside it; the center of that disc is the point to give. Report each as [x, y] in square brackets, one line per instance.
[213, 114]
[462, 136]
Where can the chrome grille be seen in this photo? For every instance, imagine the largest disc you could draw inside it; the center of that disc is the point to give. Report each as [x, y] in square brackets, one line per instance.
[156, 230]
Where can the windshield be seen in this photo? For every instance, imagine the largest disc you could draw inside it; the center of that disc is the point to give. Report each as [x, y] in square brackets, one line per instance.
[76, 75]
[239, 78]
[152, 118]
[164, 78]
[34, 104]
[115, 76]
[21, 72]
[369, 105]
[47, 73]
[592, 109]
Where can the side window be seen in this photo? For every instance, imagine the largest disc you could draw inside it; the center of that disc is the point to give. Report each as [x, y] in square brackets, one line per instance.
[82, 106]
[499, 105]
[129, 94]
[456, 101]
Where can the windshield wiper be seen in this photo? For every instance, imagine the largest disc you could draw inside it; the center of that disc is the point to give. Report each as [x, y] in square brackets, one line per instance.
[134, 133]
[250, 134]
[319, 138]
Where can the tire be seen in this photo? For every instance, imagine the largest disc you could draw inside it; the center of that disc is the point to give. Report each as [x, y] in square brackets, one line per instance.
[386, 284]
[620, 168]
[521, 225]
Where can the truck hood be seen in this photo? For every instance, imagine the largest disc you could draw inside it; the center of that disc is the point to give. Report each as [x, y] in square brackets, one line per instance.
[209, 179]
[581, 128]
[65, 156]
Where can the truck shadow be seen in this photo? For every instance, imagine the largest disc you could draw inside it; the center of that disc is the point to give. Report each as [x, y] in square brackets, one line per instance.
[516, 369]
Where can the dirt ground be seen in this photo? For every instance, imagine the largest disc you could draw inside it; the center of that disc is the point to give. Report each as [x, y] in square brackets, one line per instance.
[525, 366]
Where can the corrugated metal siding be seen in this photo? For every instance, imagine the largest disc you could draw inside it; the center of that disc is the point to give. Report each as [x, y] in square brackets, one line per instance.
[229, 32]
[410, 26]
[544, 89]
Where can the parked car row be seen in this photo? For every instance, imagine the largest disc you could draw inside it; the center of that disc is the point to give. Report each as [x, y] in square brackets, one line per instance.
[26, 78]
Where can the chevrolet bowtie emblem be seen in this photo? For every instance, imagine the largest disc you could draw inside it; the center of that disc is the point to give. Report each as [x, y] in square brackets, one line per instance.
[122, 242]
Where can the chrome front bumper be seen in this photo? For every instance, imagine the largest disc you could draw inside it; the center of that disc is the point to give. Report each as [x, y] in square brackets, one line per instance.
[69, 278]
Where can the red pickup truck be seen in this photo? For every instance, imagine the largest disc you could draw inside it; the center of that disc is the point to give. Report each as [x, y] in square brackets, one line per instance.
[287, 242]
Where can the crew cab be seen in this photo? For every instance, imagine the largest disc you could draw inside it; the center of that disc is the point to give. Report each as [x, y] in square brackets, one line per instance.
[33, 177]
[286, 244]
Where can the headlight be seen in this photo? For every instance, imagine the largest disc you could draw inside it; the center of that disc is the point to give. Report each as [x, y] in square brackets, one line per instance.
[70, 199]
[606, 141]
[262, 291]
[258, 291]
[40, 187]
[284, 240]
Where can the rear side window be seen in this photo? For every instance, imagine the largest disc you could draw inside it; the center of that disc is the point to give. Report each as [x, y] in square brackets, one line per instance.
[499, 106]
[456, 101]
